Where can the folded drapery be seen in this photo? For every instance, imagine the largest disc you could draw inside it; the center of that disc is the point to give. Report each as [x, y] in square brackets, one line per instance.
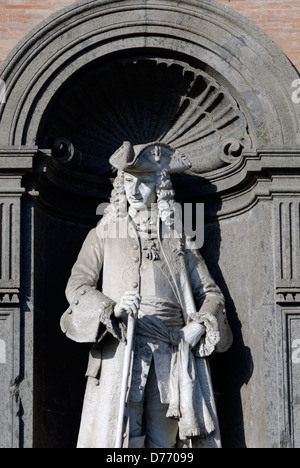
[187, 403]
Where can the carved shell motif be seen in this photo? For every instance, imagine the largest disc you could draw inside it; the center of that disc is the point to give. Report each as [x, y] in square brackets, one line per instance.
[142, 100]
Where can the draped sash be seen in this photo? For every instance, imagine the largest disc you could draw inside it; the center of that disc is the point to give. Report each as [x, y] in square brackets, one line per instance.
[186, 400]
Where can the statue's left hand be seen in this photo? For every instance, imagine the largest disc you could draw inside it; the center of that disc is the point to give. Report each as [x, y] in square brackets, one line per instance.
[192, 333]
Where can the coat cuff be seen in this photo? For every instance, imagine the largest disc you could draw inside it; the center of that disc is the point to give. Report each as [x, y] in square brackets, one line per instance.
[90, 316]
[218, 337]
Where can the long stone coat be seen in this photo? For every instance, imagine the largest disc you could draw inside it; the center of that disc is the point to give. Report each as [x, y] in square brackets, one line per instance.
[90, 319]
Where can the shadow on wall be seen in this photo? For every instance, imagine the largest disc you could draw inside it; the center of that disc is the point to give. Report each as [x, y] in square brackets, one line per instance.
[59, 363]
[233, 369]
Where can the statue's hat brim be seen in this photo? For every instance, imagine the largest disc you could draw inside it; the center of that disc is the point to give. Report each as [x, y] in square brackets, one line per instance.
[151, 157]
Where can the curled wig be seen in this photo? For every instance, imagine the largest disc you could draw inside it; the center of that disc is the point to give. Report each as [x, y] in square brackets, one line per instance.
[117, 208]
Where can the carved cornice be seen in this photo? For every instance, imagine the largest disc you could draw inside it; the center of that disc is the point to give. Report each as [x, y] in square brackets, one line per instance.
[9, 297]
[288, 296]
[227, 192]
[255, 175]
[15, 163]
[16, 159]
[257, 163]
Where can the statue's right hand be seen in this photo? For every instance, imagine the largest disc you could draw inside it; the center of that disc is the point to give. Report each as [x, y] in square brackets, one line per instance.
[129, 303]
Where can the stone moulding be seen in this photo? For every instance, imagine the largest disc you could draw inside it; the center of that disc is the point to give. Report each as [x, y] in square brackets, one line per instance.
[256, 175]
[288, 296]
[9, 297]
[16, 158]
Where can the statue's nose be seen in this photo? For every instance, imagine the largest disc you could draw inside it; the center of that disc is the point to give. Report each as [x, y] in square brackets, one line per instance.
[135, 189]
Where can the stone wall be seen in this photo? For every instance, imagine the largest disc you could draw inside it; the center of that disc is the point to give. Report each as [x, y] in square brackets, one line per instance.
[279, 19]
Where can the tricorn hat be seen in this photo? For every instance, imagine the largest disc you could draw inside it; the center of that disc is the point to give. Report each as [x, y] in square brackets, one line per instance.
[149, 158]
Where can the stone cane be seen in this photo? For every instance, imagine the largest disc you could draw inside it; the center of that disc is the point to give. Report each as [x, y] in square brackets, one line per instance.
[129, 350]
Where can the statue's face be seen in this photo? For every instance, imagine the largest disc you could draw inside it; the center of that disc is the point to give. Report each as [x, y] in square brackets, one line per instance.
[140, 189]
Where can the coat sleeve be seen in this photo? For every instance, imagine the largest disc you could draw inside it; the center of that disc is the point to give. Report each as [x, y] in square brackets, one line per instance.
[90, 315]
[210, 305]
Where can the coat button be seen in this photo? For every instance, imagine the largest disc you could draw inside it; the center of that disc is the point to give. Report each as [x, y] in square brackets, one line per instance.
[136, 259]
[76, 302]
[135, 284]
[135, 247]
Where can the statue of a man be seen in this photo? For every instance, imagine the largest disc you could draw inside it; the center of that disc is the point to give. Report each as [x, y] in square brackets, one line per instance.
[151, 272]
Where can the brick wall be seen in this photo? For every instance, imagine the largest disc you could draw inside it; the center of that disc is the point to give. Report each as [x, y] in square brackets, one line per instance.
[18, 17]
[280, 19]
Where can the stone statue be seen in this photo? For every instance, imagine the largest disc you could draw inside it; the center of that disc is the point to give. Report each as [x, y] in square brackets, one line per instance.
[152, 273]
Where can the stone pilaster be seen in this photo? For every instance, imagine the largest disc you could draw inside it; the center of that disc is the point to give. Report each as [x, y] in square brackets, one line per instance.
[14, 163]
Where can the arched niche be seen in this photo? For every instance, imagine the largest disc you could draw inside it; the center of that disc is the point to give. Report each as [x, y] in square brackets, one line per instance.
[232, 87]
[256, 72]
[192, 74]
